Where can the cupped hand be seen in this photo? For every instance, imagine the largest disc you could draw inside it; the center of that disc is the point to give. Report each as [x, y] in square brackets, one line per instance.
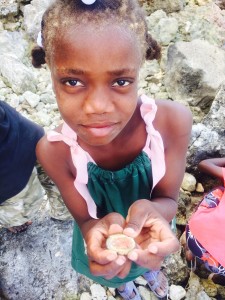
[155, 240]
[104, 262]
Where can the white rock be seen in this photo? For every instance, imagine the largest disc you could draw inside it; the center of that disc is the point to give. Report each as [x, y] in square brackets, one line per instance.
[199, 188]
[43, 118]
[31, 98]
[85, 296]
[202, 296]
[112, 291]
[98, 292]
[189, 182]
[19, 77]
[13, 42]
[176, 292]
[166, 30]
[9, 7]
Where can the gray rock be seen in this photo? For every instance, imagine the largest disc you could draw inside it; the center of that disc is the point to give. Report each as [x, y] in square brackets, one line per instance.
[166, 5]
[177, 292]
[208, 138]
[189, 78]
[8, 7]
[14, 43]
[17, 76]
[32, 16]
[35, 264]
[189, 182]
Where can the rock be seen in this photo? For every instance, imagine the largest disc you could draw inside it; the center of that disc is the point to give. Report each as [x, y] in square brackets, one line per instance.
[199, 188]
[85, 296]
[189, 182]
[14, 43]
[35, 264]
[177, 292]
[32, 16]
[19, 77]
[98, 292]
[31, 98]
[166, 30]
[209, 287]
[194, 287]
[216, 115]
[207, 139]
[188, 78]
[175, 268]
[8, 7]
[166, 5]
[183, 208]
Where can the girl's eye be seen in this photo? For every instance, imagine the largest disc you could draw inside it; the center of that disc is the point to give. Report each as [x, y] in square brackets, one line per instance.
[73, 82]
[121, 82]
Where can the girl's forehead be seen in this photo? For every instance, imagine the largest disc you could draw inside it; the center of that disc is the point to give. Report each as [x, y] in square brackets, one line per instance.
[88, 44]
[90, 35]
[88, 30]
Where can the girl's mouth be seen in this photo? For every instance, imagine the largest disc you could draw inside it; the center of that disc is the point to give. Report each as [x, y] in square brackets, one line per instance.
[100, 129]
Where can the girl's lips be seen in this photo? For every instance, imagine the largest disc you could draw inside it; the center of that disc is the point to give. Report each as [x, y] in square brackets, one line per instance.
[99, 125]
[100, 129]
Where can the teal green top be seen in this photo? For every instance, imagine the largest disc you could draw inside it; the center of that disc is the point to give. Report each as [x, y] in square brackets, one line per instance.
[113, 192]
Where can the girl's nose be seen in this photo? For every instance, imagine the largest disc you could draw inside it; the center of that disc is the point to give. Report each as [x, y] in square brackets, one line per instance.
[98, 101]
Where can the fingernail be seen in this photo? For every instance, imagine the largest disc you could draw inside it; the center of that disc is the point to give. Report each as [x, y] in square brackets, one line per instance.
[153, 249]
[121, 260]
[129, 231]
[133, 256]
[111, 256]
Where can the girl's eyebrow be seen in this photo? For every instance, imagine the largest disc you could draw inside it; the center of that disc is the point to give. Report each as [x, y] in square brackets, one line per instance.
[71, 71]
[118, 72]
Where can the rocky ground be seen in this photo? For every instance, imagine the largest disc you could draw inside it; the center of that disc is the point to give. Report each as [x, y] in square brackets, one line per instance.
[36, 264]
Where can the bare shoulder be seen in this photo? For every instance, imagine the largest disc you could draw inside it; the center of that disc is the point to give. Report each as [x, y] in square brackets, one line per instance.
[53, 156]
[174, 117]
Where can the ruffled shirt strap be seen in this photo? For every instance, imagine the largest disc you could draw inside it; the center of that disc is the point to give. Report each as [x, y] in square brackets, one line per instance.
[154, 147]
[80, 160]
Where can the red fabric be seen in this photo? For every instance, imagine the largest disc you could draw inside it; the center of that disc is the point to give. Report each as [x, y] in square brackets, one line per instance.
[208, 227]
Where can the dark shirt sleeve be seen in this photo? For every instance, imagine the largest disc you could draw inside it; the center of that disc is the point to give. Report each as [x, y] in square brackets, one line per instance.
[18, 140]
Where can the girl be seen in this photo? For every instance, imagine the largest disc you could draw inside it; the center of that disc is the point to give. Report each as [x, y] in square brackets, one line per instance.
[118, 159]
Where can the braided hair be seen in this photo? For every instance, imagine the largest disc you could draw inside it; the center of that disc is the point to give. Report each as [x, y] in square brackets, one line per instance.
[64, 13]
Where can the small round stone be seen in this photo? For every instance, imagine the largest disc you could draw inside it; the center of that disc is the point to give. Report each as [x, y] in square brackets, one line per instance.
[120, 243]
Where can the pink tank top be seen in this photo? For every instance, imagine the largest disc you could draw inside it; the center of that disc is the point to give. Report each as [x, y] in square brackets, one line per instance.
[153, 148]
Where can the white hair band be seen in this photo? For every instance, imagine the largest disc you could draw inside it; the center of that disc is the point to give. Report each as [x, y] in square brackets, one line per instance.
[88, 2]
[39, 40]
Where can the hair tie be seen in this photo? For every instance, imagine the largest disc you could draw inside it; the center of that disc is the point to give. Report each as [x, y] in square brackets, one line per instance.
[88, 2]
[39, 40]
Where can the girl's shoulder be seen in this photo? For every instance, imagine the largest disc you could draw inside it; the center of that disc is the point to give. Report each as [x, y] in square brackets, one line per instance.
[173, 117]
[51, 153]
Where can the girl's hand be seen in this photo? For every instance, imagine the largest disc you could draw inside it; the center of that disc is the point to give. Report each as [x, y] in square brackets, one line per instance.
[104, 262]
[152, 233]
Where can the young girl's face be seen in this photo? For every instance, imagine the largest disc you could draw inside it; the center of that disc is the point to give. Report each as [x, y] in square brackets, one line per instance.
[94, 73]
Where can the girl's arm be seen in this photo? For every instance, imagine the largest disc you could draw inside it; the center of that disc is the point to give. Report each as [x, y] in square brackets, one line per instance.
[213, 167]
[174, 122]
[55, 158]
[148, 221]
